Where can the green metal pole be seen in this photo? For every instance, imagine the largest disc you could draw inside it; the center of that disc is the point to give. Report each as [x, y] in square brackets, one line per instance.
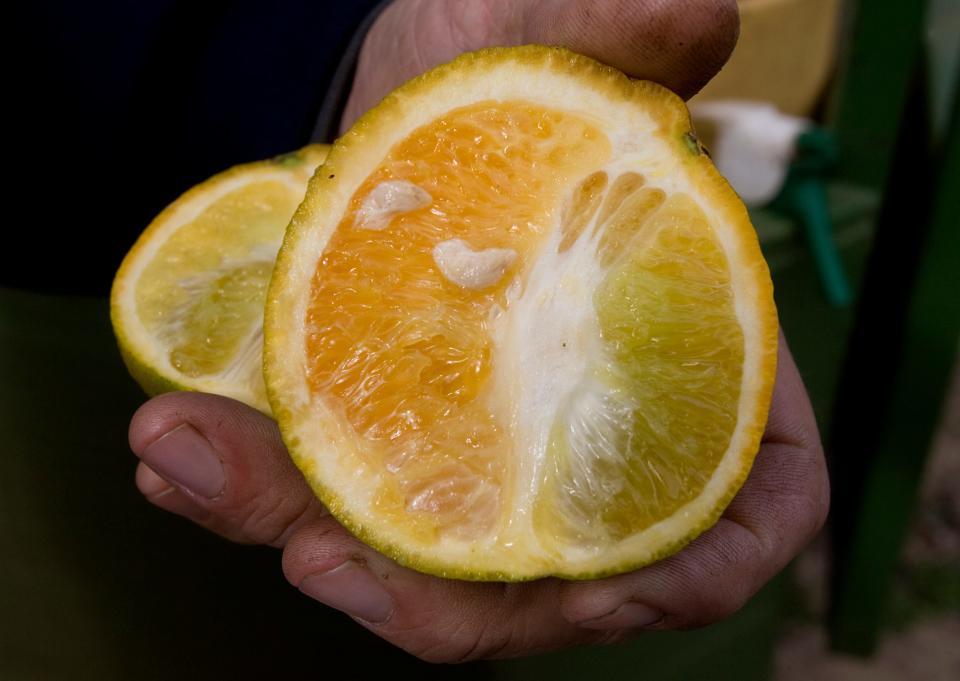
[883, 46]
[897, 373]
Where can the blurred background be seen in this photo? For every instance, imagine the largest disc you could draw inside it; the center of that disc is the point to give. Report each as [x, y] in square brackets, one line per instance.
[836, 120]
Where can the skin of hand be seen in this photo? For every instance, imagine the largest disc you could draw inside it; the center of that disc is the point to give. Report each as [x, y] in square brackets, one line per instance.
[223, 465]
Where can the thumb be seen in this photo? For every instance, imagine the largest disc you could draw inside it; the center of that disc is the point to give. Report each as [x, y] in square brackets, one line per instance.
[221, 464]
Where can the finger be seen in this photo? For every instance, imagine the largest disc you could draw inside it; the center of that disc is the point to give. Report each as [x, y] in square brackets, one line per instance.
[221, 464]
[161, 493]
[438, 620]
[778, 511]
[787, 497]
[680, 44]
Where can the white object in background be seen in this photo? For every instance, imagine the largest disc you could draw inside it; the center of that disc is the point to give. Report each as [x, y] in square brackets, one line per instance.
[754, 145]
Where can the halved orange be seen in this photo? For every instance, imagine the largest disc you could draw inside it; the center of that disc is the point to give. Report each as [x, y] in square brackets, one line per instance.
[187, 301]
[520, 326]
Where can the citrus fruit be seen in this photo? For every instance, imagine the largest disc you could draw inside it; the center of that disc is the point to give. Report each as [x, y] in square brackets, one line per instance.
[520, 326]
[187, 301]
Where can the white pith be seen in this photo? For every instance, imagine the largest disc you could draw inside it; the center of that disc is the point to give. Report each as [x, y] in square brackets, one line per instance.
[544, 339]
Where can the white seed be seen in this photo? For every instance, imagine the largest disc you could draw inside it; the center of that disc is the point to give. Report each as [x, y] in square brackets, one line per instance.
[469, 268]
[388, 199]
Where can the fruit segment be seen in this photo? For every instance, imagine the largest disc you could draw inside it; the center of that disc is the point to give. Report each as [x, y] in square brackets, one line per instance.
[398, 328]
[187, 302]
[218, 326]
[204, 304]
[414, 286]
[644, 431]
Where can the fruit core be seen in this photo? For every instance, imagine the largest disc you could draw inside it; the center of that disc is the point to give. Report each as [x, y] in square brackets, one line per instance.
[504, 240]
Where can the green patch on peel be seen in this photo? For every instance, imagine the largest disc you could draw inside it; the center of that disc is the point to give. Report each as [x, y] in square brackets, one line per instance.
[692, 143]
[287, 160]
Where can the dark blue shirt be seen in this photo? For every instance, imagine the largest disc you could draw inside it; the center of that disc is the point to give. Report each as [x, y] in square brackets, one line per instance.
[121, 106]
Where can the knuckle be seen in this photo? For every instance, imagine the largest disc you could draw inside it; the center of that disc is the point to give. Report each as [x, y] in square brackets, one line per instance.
[722, 580]
[810, 514]
[268, 523]
[467, 642]
[258, 517]
[716, 604]
[477, 635]
[796, 492]
[309, 547]
[809, 505]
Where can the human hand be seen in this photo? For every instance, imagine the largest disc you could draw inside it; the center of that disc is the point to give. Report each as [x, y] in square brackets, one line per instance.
[223, 465]
[680, 44]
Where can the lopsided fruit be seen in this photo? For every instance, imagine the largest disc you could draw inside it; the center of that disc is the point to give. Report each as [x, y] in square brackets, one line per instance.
[187, 302]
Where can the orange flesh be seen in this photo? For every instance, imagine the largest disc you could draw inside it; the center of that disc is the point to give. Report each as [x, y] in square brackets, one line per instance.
[405, 355]
[402, 353]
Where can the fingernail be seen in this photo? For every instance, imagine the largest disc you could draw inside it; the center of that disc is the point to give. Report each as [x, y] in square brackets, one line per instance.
[627, 616]
[150, 484]
[161, 493]
[184, 457]
[351, 588]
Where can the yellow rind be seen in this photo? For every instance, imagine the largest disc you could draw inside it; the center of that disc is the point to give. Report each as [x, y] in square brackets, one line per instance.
[152, 380]
[675, 121]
